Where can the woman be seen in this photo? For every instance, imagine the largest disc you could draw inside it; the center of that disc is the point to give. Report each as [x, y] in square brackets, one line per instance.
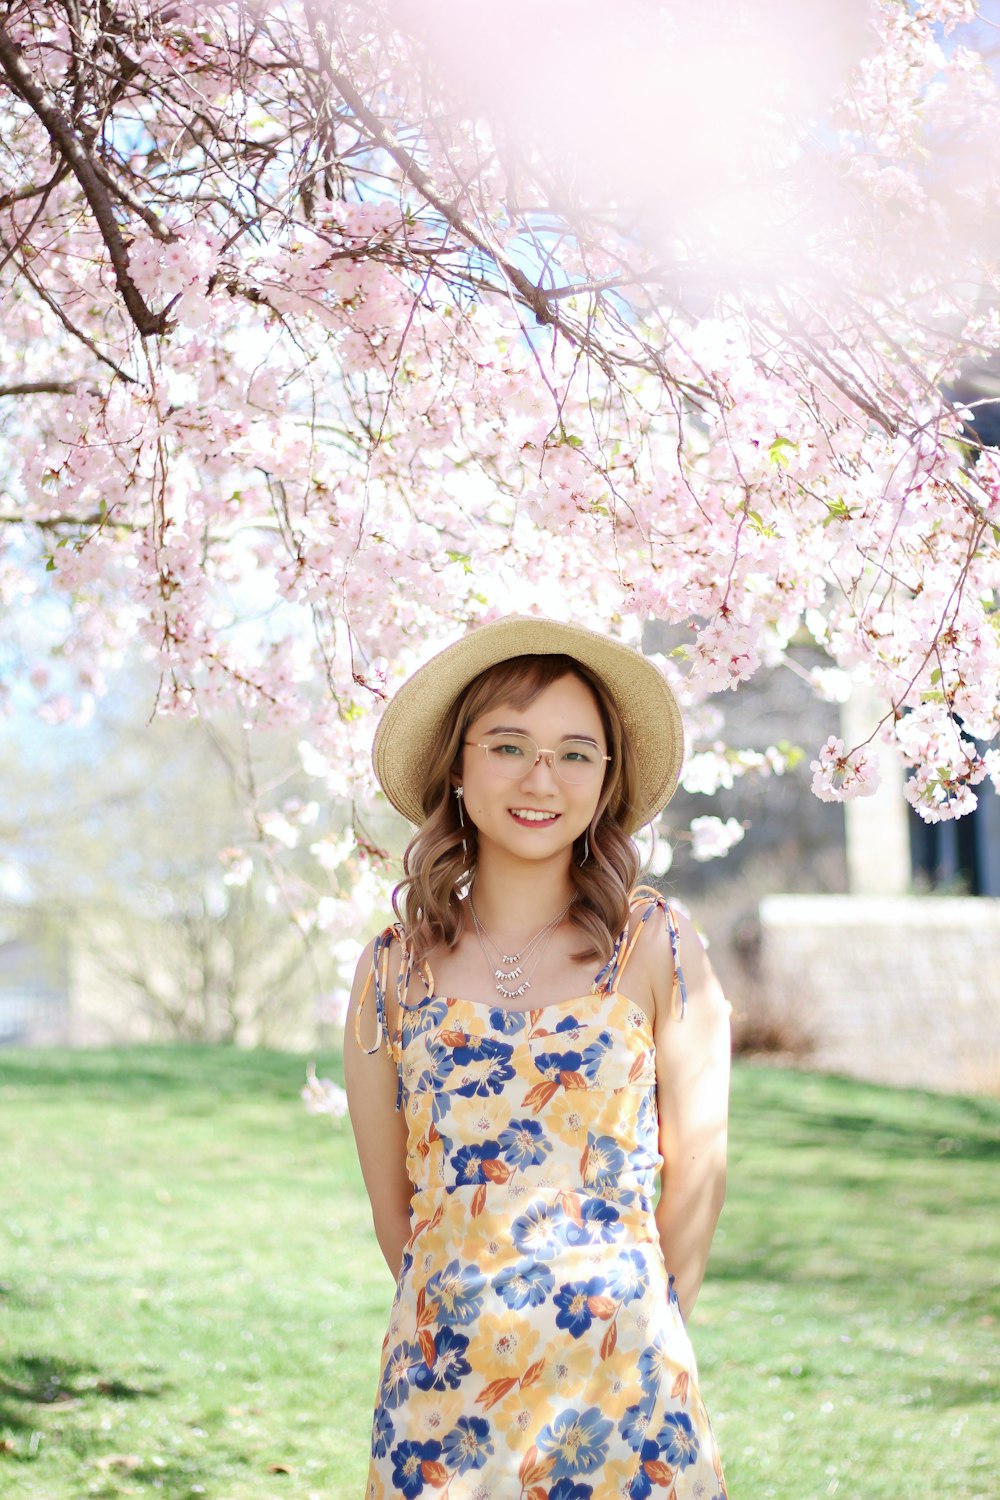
[516, 1107]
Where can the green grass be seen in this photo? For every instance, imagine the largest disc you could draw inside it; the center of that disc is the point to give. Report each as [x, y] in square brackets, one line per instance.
[193, 1301]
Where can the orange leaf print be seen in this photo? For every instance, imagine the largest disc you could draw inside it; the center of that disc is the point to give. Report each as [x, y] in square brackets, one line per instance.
[432, 1133]
[433, 1472]
[426, 1311]
[428, 1348]
[479, 1199]
[532, 1373]
[418, 1227]
[659, 1472]
[609, 1340]
[583, 1162]
[570, 1204]
[423, 1146]
[680, 1387]
[637, 1068]
[455, 1037]
[437, 1215]
[601, 1307]
[496, 1171]
[572, 1080]
[528, 1462]
[540, 1095]
[538, 1492]
[496, 1390]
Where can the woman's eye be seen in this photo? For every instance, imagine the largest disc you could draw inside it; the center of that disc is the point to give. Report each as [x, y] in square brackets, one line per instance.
[505, 748]
[579, 753]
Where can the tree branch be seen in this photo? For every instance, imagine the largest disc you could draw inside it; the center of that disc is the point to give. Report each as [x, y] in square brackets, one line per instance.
[73, 152]
[41, 388]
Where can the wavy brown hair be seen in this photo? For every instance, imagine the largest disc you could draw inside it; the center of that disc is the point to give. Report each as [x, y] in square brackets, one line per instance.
[435, 866]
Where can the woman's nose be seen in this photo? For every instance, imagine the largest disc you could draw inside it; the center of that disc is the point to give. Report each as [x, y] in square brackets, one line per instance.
[542, 773]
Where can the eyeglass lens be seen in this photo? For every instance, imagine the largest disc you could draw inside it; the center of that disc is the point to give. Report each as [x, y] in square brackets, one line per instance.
[513, 755]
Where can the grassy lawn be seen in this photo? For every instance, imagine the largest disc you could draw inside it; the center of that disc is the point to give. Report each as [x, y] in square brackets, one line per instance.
[192, 1300]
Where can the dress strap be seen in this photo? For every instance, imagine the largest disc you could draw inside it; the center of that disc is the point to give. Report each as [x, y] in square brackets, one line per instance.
[377, 980]
[625, 946]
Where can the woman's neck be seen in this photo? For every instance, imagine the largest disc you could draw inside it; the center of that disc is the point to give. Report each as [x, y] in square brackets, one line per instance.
[514, 903]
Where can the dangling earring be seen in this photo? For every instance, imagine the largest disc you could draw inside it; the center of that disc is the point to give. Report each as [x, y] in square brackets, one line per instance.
[459, 794]
[586, 848]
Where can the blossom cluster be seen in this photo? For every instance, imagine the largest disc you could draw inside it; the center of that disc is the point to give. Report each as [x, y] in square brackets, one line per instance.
[385, 371]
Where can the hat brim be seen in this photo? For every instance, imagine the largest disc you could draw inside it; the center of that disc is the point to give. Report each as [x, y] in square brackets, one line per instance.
[650, 716]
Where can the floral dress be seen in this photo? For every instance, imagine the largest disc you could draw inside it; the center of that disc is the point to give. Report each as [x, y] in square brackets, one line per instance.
[535, 1349]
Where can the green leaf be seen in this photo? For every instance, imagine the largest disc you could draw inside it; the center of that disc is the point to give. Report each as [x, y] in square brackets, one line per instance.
[573, 441]
[777, 452]
[836, 510]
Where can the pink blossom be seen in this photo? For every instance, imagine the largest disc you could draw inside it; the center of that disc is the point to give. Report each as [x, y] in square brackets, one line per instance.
[840, 776]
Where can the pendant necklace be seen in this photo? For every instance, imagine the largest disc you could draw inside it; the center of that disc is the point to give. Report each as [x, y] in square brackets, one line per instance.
[509, 966]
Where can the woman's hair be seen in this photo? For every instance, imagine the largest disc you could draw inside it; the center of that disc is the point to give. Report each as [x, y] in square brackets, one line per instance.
[435, 865]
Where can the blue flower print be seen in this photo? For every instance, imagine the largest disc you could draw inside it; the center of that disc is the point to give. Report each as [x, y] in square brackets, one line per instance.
[535, 1234]
[510, 1022]
[383, 1432]
[468, 1444]
[593, 1054]
[398, 1373]
[524, 1143]
[642, 1486]
[479, 1049]
[569, 1023]
[523, 1286]
[426, 1017]
[568, 1489]
[459, 1290]
[601, 1224]
[628, 1278]
[576, 1440]
[634, 1425]
[440, 1105]
[571, 1300]
[407, 1458]
[650, 1364]
[605, 1158]
[647, 1123]
[468, 1162]
[677, 1439]
[551, 1064]
[450, 1363]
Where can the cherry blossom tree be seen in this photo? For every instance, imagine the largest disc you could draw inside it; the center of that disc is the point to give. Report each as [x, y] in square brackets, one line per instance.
[328, 331]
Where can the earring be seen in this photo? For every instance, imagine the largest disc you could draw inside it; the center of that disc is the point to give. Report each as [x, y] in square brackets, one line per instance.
[459, 794]
[586, 847]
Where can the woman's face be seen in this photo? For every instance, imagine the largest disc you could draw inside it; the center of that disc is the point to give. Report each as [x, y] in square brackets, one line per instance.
[536, 815]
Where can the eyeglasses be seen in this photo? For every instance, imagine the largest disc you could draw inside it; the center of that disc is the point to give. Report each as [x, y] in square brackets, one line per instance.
[578, 762]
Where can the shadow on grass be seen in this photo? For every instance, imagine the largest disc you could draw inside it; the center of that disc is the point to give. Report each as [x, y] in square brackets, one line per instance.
[132, 1073]
[873, 1120]
[30, 1381]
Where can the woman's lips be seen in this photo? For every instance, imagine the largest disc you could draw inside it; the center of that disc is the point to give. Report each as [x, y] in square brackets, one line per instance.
[535, 822]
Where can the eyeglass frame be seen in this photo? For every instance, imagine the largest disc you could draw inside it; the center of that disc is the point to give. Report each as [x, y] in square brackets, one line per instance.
[569, 740]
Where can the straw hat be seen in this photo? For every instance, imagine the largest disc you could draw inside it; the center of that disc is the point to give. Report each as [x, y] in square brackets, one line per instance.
[648, 709]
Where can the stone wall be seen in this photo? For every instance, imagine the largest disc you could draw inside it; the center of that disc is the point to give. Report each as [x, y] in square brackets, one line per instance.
[900, 990]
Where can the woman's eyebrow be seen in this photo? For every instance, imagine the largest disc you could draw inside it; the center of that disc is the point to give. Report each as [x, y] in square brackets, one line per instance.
[518, 729]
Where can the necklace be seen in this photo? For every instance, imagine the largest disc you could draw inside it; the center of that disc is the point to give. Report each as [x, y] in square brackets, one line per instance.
[512, 964]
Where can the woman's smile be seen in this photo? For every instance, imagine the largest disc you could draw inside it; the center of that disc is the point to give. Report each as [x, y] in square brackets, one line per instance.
[533, 816]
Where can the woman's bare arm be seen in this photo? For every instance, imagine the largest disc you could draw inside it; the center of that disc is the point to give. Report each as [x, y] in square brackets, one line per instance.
[379, 1131]
[693, 1071]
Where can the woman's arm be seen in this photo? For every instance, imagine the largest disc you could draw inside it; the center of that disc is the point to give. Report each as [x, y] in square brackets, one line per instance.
[692, 1095]
[379, 1130]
